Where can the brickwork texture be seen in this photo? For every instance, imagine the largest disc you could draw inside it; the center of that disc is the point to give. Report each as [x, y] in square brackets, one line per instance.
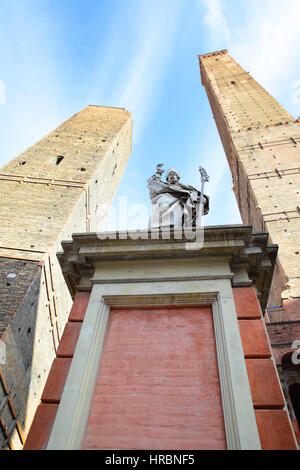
[262, 144]
[53, 189]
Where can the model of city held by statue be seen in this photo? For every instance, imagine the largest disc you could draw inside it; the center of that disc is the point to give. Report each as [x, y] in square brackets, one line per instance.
[176, 205]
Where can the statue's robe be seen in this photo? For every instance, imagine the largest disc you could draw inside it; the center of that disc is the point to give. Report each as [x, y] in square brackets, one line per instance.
[174, 204]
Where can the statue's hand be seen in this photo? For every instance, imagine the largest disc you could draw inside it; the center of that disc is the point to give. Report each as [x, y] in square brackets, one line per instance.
[159, 170]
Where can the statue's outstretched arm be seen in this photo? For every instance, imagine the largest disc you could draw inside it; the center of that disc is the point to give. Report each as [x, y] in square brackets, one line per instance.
[159, 172]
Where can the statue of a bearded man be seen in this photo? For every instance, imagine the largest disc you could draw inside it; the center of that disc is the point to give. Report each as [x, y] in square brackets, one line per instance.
[174, 204]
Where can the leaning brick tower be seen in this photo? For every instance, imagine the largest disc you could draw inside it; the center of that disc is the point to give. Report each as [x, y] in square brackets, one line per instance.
[48, 192]
[262, 145]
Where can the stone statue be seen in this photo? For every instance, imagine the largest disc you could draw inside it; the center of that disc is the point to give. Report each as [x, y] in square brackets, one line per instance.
[175, 204]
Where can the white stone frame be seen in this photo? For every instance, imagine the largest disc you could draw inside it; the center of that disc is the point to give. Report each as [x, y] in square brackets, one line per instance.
[239, 418]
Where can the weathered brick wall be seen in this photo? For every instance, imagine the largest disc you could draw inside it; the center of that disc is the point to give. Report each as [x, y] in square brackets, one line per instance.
[15, 277]
[283, 326]
[44, 199]
[244, 102]
[21, 379]
[262, 144]
[41, 427]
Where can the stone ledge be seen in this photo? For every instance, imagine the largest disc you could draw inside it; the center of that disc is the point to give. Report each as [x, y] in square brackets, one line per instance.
[250, 256]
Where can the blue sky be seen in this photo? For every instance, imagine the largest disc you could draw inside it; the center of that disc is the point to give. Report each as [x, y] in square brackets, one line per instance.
[58, 56]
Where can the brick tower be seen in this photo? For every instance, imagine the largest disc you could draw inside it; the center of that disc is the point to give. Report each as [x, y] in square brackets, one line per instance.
[48, 192]
[262, 144]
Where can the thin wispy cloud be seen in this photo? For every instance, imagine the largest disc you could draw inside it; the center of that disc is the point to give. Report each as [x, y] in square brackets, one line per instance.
[268, 41]
[215, 19]
[33, 93]
[140, 83]
[261, 36]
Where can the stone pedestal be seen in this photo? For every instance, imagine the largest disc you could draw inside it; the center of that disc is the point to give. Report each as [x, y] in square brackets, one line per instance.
[172, 347]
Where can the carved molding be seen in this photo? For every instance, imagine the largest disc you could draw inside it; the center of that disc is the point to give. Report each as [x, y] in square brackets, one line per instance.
[244, 250]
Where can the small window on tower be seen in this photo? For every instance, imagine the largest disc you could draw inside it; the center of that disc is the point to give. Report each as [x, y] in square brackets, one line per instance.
[59, 159]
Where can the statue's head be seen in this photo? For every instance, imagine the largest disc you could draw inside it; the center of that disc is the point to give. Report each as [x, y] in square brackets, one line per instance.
[172, 176]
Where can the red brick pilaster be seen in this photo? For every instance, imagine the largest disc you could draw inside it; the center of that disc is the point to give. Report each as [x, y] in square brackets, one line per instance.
[273, 424]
